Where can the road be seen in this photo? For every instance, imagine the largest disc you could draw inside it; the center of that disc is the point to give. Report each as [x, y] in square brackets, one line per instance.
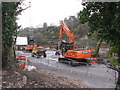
[95, 76]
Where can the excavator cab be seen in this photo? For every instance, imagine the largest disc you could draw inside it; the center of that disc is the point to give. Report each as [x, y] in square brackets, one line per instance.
[64, 46]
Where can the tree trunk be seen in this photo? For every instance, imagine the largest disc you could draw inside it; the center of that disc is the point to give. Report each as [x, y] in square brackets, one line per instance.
[7, 58]
[4, 57]
[14, 47]
[97, 48]
[118, 82]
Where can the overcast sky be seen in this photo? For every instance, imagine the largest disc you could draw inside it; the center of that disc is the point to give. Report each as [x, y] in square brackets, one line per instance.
[49, 11]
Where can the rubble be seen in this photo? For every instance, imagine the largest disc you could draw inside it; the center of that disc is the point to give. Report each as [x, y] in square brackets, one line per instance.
[30, 68]
[15, 78]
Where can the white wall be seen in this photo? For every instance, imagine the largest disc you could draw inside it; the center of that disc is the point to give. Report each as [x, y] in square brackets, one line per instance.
[21, 41]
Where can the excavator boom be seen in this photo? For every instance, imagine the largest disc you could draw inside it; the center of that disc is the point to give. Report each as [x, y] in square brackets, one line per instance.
[64, 28]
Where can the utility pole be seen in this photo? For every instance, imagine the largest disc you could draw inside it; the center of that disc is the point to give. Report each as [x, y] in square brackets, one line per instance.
[31, 37]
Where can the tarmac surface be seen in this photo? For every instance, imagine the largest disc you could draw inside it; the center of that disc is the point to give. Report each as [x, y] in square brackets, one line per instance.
[94, 76]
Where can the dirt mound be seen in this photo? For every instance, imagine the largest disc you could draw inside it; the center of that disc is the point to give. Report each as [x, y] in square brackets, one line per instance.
[14, 78]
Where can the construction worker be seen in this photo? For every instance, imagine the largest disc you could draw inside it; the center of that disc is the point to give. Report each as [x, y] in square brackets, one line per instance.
[63, 50]
[57, 52]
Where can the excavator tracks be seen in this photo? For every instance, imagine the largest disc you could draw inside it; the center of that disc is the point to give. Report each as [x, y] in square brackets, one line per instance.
[74, 62]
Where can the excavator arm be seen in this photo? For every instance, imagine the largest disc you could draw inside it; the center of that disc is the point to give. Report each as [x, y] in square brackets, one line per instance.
[64, 28]
[69, 53]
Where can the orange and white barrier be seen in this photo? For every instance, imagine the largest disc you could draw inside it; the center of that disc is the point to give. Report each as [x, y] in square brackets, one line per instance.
[93, 60]
[21, 65]
[22, 62]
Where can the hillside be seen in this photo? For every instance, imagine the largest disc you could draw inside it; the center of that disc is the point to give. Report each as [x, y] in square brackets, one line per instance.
[49, 35]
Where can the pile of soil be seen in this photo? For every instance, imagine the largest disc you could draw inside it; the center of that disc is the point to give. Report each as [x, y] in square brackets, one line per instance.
[15, 78]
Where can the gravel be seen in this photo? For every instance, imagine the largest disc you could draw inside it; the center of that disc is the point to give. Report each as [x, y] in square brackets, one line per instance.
[15, 78]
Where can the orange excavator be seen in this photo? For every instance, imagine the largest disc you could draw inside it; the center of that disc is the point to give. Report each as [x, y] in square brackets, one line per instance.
[69, 53]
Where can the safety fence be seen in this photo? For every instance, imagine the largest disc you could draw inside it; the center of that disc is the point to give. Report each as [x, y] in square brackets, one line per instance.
[94, 73]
